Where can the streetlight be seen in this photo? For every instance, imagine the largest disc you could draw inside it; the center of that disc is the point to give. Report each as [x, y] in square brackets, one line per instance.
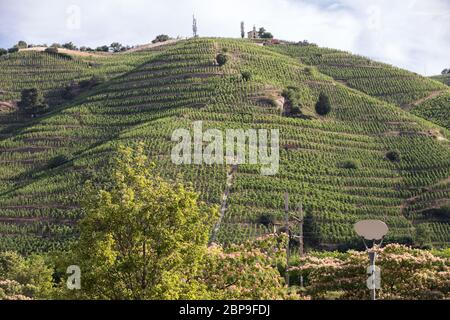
[372, 230]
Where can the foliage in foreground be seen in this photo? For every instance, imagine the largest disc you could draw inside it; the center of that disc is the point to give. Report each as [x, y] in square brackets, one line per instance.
[24, 278]
[144, 237]
[147, 238]
[406, 273]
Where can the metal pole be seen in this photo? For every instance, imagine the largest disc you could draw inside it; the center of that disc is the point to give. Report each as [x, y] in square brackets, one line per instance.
[373, 293]
[300, 240]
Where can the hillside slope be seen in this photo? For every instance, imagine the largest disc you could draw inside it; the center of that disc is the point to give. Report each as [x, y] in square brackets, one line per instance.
[151, 93]
[394, 85]
[445, 78]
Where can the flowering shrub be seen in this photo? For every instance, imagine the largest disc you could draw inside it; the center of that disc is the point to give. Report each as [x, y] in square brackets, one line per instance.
[248, 271]
[406, 273]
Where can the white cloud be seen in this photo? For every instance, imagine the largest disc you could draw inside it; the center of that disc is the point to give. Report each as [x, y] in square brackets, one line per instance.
[411, 34]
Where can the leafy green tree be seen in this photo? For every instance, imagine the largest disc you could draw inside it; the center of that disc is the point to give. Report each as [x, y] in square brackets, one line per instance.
[246, 75]
[13, 49]
[22, 44]
[102, 49]
[3, 52]
[323, 106]
[263, 34]
[117, 47]
[24, 278]
[32, 101]
[393, 156]
[69, 46]
[221, 59]
[52, 50]
[293, 97]
[161, 38]
[142, 237]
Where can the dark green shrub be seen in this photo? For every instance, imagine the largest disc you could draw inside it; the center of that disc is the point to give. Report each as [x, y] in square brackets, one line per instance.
[221, 59]
[32, 101]
[116, 46]
[293, 98]
[246, 75]
[266, 219]
[393, 156]
[422, 236]
[52, 50]
[69, 46]
[3, 52]
[58, 161]
[22, 45]
[13, 50]
[161, 38]
[349, 164]
[323, 106]
[102, 49]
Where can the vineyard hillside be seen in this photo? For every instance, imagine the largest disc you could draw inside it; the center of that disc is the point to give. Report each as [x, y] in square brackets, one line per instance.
[427, 97]
[147, 94]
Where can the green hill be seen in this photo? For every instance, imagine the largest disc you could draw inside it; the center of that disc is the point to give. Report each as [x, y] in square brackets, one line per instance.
[445, 78]
[403, 88]
[148, 94]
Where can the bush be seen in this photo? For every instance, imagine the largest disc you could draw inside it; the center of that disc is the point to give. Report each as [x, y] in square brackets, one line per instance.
[13, 49]
[293, 97]
[52, 50]
[3, 52]
[266, 219]
[117, 47]
[393, 156]
[422, 236]
[58, 161]
[246, 75]
[102, 49]
[22, 45]
[69, 46]
[221, 59]
[161, 38]
[349, 164]
[32, 101]
[323, 106]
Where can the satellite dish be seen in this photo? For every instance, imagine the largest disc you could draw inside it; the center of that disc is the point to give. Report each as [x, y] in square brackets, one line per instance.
[371, 229]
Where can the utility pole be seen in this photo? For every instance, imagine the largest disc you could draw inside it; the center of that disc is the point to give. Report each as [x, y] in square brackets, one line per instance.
[194, 26]
[286, 210]
[300, 219]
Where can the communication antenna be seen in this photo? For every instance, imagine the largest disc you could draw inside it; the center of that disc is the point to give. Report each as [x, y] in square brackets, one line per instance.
[372, 230]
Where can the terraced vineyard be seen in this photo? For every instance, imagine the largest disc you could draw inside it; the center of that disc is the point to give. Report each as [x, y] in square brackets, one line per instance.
[150, 93]
[403, 88]
[445, 78]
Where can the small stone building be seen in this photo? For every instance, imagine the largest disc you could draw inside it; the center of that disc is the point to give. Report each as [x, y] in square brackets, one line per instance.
[253, 34]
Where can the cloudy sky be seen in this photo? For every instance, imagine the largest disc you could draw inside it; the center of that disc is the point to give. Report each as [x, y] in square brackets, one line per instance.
[412, 34]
